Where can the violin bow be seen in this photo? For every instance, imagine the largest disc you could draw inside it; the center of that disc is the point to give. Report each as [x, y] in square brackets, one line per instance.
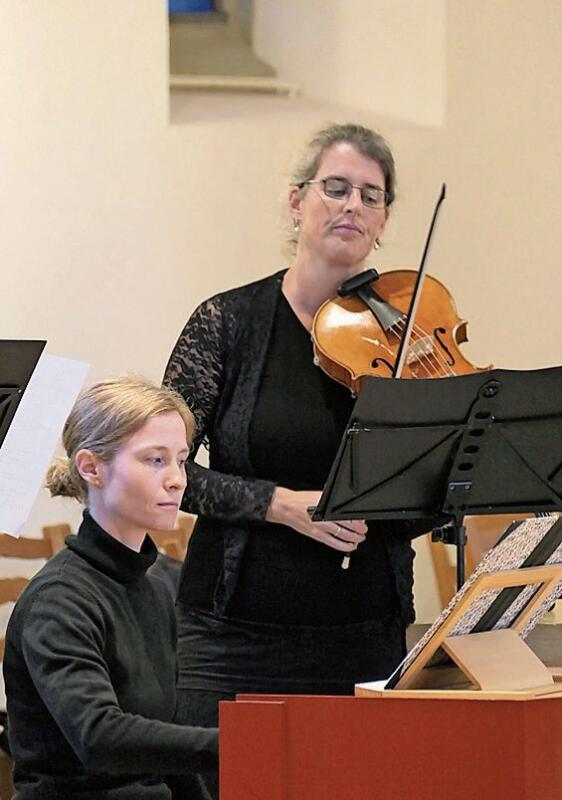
[403, 349]
[411, 317]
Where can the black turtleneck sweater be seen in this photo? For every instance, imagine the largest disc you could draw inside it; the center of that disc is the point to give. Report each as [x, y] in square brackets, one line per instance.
[90, 673]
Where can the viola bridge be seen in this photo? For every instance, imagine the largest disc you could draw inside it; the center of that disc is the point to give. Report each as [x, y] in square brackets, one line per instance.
[422, 348]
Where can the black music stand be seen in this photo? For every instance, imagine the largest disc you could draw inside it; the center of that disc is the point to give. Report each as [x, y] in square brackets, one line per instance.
[486, 443]
[18, 359]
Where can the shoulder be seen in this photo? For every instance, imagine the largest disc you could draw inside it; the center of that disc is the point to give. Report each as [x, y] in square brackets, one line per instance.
[252, 288]
[65, 579]
[60, 569]
[61, 601]
[230, 299]
[215, 324]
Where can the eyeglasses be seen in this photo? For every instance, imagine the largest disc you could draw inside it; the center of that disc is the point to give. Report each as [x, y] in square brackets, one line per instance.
[341, 188]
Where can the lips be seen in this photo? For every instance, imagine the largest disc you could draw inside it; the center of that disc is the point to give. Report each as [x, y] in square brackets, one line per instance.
[347, 228]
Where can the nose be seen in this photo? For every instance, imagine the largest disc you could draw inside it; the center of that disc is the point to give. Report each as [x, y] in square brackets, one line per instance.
[353, 200]
[176, 477]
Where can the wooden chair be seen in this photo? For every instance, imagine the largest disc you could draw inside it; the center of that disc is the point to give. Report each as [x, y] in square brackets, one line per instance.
[56, 534]
[174, 543]
[10, 589]
[482, 534]
[25, 548]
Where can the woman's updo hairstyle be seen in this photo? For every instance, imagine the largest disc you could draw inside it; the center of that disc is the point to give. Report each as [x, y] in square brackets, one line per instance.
[102, 419]
[366, 141]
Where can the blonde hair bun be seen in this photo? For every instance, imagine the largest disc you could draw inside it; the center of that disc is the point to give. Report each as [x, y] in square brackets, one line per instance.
[60, 480]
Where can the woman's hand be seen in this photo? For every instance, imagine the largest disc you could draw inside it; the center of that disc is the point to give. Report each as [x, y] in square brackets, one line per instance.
[290, 508]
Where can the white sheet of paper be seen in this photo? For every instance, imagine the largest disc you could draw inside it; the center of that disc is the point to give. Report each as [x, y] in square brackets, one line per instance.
[373, 686]
[34, 434]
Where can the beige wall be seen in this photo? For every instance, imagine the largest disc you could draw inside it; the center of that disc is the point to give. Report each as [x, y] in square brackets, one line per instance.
[116, 222]
[375, 56]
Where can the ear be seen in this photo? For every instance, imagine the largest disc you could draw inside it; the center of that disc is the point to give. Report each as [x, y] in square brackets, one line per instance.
[295, 199]
[386, 216]
[89, 467]
[384, 221]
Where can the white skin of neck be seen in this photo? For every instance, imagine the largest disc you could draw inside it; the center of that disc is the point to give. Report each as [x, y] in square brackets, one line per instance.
[310, 281]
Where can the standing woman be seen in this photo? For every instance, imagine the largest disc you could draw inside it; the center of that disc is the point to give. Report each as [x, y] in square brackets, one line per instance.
[264, 605]
[90, 662]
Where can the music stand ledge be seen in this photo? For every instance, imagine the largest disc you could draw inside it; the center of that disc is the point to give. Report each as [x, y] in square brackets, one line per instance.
[495, 663]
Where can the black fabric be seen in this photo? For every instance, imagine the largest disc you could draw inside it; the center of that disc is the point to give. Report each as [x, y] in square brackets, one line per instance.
[219, 364]
[168, 569]
[203, 706]
[4, 740]
[90, 673]
[223, 654]
[299, 413]
[296, 427]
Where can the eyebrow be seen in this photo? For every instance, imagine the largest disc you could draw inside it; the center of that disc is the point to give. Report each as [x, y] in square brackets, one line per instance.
[162, 448]
[365, 185]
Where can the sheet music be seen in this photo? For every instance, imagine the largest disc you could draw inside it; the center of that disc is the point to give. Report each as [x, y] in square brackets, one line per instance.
[510, 552]
[33, 436]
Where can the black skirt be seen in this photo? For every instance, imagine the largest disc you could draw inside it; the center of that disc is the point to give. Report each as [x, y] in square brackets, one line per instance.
[229, 655]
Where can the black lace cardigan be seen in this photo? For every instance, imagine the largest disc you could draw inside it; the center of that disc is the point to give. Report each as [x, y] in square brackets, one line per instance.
[216, 366]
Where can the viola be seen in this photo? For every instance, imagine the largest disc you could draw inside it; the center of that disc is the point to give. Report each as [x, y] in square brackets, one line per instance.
[402, 324]
[352, 339]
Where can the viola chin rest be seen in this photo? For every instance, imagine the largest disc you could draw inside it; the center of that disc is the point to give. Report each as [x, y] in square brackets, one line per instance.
[351, 285]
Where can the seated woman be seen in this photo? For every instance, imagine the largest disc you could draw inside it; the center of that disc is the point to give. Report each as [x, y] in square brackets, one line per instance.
[90, 662]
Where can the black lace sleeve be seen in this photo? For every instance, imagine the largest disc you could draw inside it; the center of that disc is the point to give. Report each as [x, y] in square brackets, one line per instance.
[196, 371]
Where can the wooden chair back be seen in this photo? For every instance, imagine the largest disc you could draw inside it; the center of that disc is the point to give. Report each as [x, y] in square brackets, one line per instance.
[482, 534]
[10, 589]
[56, 534]
[174, 543]
[24, 548]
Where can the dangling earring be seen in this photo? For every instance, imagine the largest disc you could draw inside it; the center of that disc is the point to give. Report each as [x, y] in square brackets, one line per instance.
[378, 244]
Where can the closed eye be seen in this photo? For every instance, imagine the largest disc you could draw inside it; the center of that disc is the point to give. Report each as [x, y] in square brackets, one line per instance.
[337, 191]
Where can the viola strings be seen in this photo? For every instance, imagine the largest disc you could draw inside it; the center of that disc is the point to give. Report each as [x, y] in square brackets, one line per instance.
[435, 360]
